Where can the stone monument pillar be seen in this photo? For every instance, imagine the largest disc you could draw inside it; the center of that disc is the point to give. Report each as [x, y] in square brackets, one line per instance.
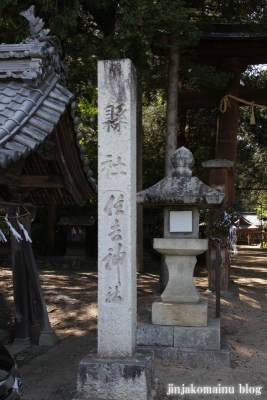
[116, 371]
[116, 209]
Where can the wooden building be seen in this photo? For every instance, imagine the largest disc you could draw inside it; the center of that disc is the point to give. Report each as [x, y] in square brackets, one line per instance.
[41, 157]
[250, 229]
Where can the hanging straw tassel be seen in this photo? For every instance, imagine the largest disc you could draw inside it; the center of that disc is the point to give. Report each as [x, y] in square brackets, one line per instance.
[13, 231]
[252, 117]
[225, 103]
[27, 237]
[2, 237]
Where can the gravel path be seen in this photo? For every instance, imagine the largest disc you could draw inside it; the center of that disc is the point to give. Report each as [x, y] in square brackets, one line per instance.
[244, 321]
[71, 296]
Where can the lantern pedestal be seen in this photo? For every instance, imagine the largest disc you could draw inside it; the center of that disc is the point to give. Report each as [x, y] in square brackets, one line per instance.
[180, 314]
[180, 304]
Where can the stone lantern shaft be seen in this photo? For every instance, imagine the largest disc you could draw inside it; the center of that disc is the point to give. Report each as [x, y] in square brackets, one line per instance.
[179, 328]
[181, 197]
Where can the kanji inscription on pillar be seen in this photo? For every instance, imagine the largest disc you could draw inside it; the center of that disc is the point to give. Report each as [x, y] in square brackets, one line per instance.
[114, 218]
[116, 209]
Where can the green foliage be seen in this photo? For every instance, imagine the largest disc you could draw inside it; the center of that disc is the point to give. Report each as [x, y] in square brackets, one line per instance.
[154, 122]
[195, 77]
[61, 16]
[3, 224]
[231, 11]
[145, 31]
[251, 176]
[88, 110]
[88, 126]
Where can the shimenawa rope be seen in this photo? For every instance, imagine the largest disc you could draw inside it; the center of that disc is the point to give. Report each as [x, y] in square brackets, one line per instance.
[225, 103]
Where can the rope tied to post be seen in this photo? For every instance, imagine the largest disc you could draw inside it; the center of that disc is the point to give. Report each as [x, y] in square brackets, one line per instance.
[225, 104]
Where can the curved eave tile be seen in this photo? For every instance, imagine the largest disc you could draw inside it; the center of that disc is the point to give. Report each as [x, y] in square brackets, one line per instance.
[28, 116]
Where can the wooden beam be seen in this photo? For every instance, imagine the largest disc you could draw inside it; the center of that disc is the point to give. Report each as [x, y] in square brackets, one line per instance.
[40, 181]
[212, 98]
[212, 51]
[9, 180]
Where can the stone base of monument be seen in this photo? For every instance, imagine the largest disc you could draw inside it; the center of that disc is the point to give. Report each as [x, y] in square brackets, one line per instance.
[117, 379]
[181, 314]
[48, 338]
[182, 344]
[22, 341]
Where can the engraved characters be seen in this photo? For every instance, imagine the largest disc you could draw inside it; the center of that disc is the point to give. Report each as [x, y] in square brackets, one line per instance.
[115, 117]
[113, 168]
[114, 259]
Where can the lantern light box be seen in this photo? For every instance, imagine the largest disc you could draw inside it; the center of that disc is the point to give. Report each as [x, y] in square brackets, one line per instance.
[181, 221]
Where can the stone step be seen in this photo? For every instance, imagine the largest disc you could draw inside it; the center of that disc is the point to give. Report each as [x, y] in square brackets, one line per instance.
[173, 356]
[196, 337]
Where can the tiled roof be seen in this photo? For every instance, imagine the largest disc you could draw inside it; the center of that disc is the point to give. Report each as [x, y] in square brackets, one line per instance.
[251, 219]
[28, 116]
[33, 97]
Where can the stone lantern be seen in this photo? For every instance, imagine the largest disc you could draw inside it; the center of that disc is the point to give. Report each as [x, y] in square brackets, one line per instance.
[181, 196]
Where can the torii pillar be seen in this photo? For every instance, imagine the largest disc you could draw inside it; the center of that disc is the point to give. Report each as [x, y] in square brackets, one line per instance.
[226, 147]
[226, 142]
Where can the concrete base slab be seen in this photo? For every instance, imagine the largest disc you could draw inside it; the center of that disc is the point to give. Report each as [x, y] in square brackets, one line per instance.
[19, 345]
[4, 336]
[105, 379]
[198, 357]
[22, 341]
[154, 335]
[181, 314]
[196, 337]
[171, 356]
[200, 337]
[47, 338]
[167, 356]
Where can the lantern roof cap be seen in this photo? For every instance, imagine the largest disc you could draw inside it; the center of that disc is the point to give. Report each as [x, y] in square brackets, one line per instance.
[181, 188]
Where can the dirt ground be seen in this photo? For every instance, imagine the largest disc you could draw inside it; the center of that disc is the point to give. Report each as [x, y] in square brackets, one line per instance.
[49, 373]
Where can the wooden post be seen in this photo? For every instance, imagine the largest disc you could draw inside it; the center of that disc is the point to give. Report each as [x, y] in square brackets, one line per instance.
[218, 279]
[20, 286]
[50, 242]
[48, 336]
[219, 171]
[34, 326]
[226, 142]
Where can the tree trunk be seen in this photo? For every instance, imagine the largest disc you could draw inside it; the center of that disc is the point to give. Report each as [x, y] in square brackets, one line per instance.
[171, 137]
[139, 173]
[172, 111]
